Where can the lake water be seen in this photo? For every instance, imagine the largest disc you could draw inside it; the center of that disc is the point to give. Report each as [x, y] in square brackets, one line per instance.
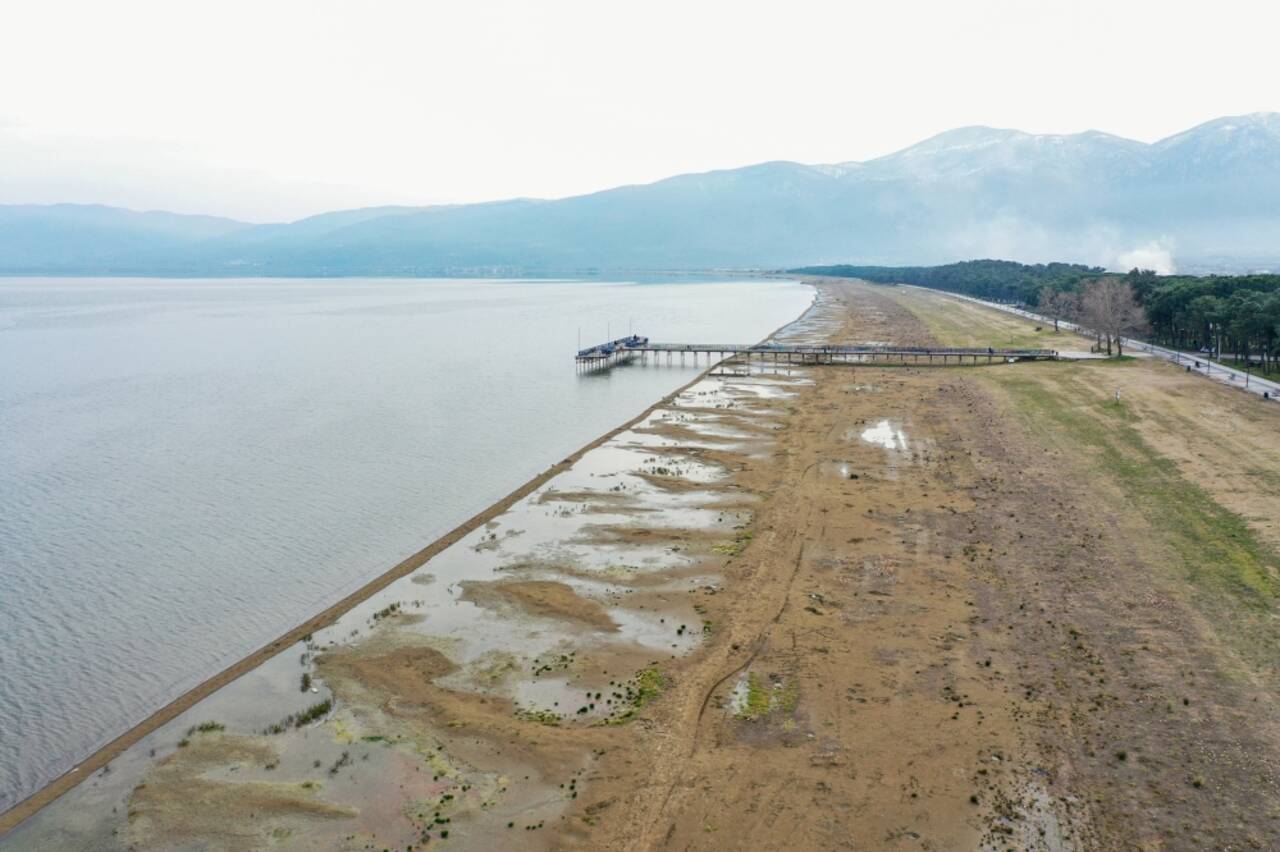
[189, 468]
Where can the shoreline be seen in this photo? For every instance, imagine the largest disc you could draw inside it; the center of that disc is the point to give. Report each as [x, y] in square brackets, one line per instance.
[977, 634]
[99, 758]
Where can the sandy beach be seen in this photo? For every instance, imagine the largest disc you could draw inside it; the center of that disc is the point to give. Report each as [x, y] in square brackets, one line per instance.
[804, 607]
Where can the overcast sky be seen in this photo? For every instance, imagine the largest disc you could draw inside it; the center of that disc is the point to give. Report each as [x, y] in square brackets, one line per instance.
[272, 110]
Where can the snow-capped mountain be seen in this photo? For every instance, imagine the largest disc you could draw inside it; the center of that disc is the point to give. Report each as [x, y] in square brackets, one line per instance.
[1211, 191]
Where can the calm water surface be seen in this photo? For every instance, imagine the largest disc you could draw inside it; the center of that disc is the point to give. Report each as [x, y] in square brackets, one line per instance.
[189, 468]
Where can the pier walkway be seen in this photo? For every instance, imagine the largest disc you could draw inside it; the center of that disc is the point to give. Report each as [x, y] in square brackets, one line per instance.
[629, 348]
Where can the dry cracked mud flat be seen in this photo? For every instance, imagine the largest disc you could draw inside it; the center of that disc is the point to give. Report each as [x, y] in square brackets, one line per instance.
[811, 608]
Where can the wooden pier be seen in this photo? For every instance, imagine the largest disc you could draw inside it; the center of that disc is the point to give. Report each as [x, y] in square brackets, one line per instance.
[630, 348]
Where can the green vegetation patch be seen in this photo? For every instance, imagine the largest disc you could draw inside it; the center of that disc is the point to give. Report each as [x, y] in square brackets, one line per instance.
[1235, 577]
[756, 699]
[296, 720]
[630, 697]
[550, 718]
[649, 684]
[315, 711]
[733, 548]
[387, 611]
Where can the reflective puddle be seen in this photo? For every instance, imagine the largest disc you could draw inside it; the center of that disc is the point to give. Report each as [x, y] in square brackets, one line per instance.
[840, 469]
[886, 434]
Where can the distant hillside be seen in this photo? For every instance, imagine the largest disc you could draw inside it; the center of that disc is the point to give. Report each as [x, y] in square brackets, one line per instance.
[87, 238]
[1210, 192]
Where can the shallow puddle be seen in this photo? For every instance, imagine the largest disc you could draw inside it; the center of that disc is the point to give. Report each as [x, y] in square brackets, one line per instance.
[887, 434]
[839, 469]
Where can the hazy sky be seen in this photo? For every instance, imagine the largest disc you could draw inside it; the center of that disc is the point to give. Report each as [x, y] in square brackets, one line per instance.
[271, 110]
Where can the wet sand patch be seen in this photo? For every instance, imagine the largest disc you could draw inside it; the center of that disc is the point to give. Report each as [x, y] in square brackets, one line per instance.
[177, 804]
[552, 495]
[540, 598]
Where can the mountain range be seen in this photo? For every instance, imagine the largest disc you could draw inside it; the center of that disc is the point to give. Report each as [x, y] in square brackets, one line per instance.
[1210, 192]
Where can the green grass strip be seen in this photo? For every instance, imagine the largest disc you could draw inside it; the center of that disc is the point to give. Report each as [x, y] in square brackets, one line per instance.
[1232, 573]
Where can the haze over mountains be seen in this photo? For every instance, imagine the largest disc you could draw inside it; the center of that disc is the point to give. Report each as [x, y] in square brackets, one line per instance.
[1210, 195]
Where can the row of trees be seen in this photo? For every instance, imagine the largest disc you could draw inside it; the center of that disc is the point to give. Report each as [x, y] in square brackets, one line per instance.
[1107, 307]
[993, 280]
[1231, 315]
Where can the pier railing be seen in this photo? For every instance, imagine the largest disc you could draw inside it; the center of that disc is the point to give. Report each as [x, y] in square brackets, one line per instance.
[628, 348]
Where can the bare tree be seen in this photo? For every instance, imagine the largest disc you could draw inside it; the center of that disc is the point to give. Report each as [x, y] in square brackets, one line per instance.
[1108, 304]
[1057, 305]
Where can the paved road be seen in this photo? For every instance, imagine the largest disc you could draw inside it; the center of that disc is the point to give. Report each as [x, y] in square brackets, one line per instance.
[1197, 362]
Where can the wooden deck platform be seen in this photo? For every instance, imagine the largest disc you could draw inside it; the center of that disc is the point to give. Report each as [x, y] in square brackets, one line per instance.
[629, 348]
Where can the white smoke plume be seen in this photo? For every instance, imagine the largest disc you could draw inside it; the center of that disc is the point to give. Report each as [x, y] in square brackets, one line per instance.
[1156, 255]
[1011, 237]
